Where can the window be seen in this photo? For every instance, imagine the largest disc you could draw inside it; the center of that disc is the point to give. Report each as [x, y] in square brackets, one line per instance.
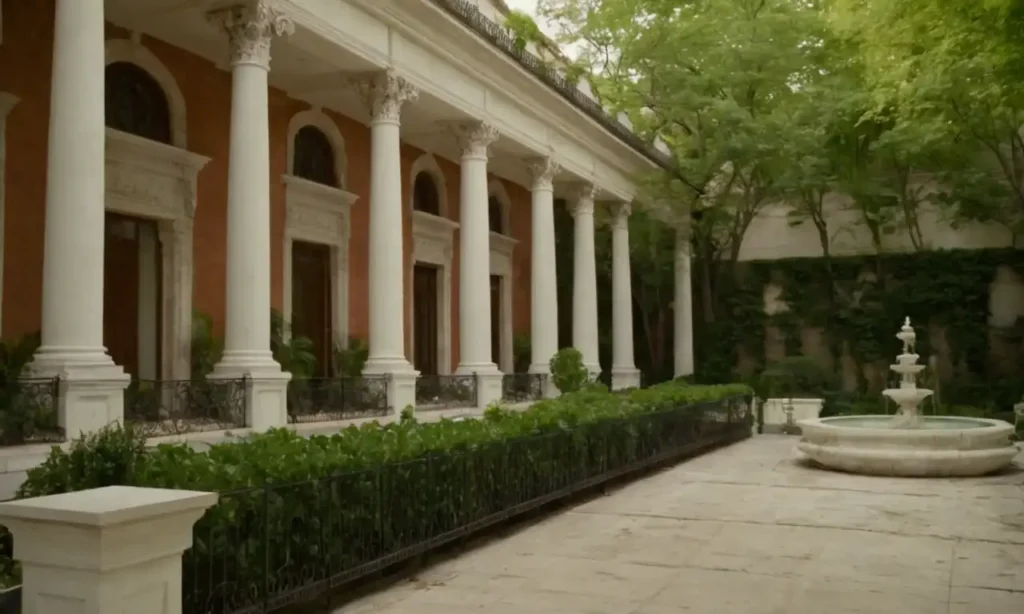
[136, 104]
[425, 197]
[314, 157]
[494, 211]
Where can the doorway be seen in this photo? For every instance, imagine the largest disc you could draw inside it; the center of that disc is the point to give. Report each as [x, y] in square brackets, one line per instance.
[132, 294]
[425, 317]
[311, 301]
[496, 319]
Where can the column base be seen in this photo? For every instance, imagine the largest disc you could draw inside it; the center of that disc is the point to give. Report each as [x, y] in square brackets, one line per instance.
[550, 390]
[91, 393]
[595, 371]
[266, 390]
[401, 378]
[488, 382]
[625, 377]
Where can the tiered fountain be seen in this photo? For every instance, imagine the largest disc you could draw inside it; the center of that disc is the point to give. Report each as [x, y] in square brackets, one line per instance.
[909, 444]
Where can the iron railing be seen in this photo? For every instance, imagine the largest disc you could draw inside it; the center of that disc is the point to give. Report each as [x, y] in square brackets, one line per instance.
[167, 407]
[523, 387]
[445, 391]
[337, 398]
[501, 37]
[29, 411]
[262, 549]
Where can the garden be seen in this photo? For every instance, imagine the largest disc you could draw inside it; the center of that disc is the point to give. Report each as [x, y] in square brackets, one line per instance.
[299, 517]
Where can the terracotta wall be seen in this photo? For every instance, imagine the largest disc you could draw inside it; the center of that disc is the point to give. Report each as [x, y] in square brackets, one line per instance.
[25, 60]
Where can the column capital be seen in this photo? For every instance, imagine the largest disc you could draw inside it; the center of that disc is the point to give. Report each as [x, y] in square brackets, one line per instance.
[251, 26]
[583, 199]
[474, 138]
[543, 171]
[384, 93]
[622, 212]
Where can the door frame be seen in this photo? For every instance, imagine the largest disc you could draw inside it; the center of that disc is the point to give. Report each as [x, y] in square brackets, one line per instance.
[433, 240]
[502, 258]
[151, 180]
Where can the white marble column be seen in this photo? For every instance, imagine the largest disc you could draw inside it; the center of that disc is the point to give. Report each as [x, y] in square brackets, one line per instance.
[72, 315]
[683, 307]
[543, 283]
[385, 93]
[584, 295]
[624, 371]
[474, 139]
[250, 28]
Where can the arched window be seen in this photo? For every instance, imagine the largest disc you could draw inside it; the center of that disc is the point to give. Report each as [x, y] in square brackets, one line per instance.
[136, 104]
[425, 197]
[314, 157]
[494, 211]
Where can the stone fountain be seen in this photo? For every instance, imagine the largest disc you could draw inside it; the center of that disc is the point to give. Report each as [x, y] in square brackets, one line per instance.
[909, 444]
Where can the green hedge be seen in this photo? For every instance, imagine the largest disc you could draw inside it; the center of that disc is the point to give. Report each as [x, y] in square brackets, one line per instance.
[119, 457]
[296, 512]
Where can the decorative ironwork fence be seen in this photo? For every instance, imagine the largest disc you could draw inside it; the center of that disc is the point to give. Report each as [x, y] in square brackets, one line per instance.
[522, 387]
[262, 549]
[337, 398]
[28, 411]
[178, 407]
[445, 392]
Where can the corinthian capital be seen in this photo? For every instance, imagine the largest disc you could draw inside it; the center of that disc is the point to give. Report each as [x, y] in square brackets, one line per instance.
[385, 93]
[543, 171]
[250, 26]
[583, 200]
[622, 213]
[475, 138]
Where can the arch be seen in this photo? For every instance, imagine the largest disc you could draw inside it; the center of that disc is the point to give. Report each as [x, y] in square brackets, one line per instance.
[316, 118]
[498, 203]
[426, 163]
[133, 52]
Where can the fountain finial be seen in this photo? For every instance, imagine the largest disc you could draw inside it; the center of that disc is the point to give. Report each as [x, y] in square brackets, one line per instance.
[907, 336]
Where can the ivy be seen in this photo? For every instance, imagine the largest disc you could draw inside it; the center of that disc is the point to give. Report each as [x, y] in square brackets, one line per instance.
[858, 303]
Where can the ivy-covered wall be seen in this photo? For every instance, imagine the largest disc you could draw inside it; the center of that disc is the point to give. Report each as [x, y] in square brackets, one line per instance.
[845, 313]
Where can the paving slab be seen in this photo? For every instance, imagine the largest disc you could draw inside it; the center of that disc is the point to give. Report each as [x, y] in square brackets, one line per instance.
[748, 529]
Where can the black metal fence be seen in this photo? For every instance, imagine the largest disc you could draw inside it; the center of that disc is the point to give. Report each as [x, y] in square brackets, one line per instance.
[177, 407]
[337, 398]
[523, 387]
[262, 549]
[29, 411]
[445, 392]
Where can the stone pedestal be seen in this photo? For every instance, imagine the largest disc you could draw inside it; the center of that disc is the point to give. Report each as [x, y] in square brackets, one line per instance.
[775, 418]
[488, 388]
[401, 389]
[114, 549]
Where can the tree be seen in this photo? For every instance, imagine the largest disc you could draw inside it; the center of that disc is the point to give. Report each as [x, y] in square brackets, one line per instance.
[950, 73]
[708, 78]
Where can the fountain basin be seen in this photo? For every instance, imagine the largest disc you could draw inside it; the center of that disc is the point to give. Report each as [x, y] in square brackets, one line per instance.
[941, 446]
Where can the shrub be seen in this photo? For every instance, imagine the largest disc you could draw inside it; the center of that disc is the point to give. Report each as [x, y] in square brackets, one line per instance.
[385, 484]
[568, 373]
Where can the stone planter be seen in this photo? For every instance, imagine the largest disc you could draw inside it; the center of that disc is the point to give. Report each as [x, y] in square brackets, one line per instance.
[775, 419]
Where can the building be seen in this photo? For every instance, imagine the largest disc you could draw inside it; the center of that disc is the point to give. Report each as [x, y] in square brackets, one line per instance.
[385, 170]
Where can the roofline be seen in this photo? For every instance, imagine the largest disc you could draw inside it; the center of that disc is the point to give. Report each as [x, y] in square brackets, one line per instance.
[470, 16]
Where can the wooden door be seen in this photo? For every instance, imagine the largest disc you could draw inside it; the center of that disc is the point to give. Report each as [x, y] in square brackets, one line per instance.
[311, 301]
[121, 291]
[496, 319]
[425, 312]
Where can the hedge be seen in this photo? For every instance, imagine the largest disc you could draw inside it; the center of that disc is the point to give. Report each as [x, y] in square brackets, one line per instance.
[300, 515]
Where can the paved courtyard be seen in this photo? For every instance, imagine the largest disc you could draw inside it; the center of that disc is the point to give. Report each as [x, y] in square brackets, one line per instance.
[747, 530]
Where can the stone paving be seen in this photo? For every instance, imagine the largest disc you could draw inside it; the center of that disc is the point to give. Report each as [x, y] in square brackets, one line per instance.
[747, 530]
